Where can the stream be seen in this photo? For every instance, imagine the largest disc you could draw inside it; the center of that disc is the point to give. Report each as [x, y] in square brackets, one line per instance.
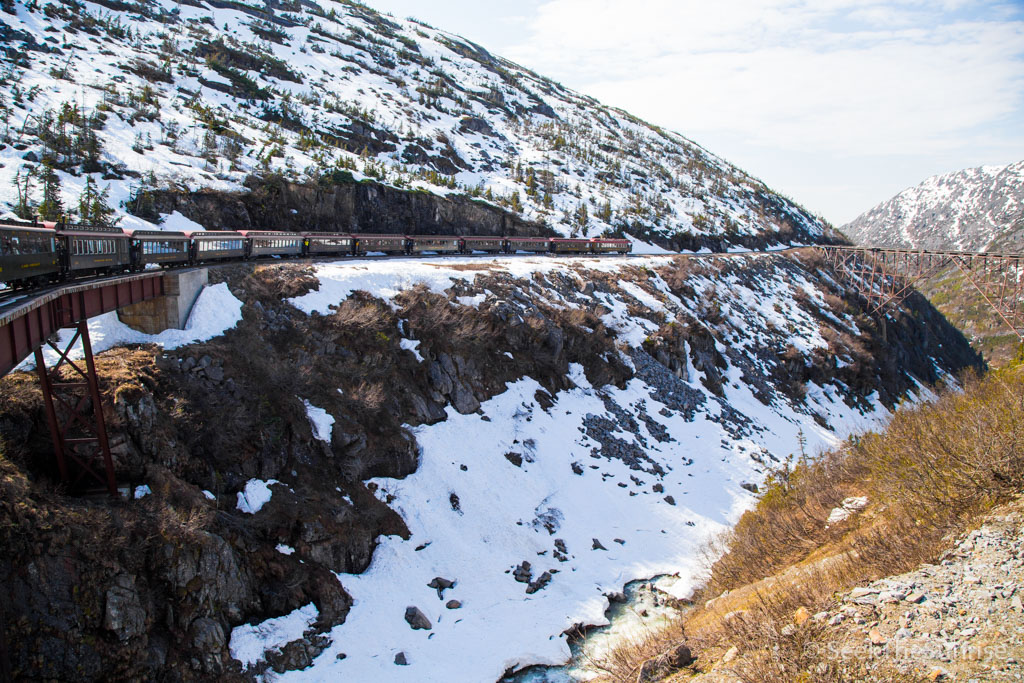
[648, 607]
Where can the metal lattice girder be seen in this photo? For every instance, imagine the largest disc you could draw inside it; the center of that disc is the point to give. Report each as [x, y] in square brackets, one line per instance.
[75, 415]
[999, 278]
[888, 276]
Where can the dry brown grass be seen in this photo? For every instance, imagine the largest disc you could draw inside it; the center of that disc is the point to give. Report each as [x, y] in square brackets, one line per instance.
[483, 266]
[934, 470]
[624, 662]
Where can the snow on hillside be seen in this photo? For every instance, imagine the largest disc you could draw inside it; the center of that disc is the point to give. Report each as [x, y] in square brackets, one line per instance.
[976, 209]
[603, 487]
[190, 95]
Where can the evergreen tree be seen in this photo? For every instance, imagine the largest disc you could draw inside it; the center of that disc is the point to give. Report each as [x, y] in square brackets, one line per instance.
[582, 217]
[93, 206]
[24, 208]
[52, 207]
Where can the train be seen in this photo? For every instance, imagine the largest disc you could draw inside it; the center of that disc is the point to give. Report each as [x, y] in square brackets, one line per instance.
[36, 253]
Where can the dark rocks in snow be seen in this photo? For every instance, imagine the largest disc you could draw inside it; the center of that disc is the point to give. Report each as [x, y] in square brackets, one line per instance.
[523, 573]
[749, 487]
[474, 124]
[440, 585]
[597, 545]
[401, 659]
[670, 500]
[417, 619]
[514, 458]
[453, 604]
[561, 551]
[542, 581]
[453, 500]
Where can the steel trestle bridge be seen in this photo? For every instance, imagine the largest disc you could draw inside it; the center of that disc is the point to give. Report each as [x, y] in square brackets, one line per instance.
[888, 276]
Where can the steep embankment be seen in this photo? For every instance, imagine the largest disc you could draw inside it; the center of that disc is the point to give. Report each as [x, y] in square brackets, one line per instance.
[155, 100]
[797, 593]
[534, 432]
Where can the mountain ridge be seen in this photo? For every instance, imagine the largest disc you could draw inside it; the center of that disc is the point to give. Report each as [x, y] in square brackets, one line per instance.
[205, 95]
[974, 209]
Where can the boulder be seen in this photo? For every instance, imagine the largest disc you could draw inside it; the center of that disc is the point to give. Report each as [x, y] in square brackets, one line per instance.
[417, 619]
[124, 614]
[440, 584]
[523, 573]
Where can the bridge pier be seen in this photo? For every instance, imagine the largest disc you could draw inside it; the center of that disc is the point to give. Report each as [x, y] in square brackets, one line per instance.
[171, 311]
[75, 414]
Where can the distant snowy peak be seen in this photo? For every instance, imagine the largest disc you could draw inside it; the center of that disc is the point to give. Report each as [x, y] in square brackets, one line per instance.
[976, 209]
[196, 95]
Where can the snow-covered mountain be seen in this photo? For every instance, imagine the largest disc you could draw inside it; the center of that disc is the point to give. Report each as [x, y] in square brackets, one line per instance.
[976, 209]
[190, 95]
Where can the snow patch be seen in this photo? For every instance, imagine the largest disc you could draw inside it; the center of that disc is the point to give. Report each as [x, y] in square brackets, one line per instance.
[250, 642]
[321, 421]
[411, 346]
[256, 494]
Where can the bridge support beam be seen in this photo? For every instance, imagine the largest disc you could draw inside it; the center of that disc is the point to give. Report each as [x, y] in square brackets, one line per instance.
[171, 311]
[74, 411]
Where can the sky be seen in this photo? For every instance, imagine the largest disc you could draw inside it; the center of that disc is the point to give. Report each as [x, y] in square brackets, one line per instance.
[838, 104]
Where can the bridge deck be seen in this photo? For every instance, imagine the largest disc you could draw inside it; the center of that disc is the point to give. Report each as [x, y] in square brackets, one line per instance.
[25, 325]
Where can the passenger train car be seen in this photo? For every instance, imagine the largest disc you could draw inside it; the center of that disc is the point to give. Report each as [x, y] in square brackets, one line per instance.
[33, 254]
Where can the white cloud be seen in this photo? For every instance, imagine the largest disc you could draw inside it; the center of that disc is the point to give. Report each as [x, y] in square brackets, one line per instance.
[856, 78]
[844, 77]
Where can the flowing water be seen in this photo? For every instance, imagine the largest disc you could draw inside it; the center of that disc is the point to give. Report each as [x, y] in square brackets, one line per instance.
[648, 608]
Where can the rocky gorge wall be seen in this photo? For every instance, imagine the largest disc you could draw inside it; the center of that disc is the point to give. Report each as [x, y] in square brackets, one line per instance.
[366, 207]
[153, 587]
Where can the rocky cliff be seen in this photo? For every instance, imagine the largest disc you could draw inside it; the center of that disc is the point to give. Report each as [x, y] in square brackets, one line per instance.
[292, 451]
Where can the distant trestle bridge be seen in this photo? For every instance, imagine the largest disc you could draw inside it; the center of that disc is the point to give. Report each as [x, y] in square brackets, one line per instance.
[888, 276]
[71, 389]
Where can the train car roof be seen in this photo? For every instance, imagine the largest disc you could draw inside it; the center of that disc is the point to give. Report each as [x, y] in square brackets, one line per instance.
[569, 239]
[379, 235]
[118, 235]
[525, 237]
[166, 234]
[482, 237]
[269, 233]
[327, 234]
[434, 237]
[80, 228]
[28, 227]
[212, 233]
